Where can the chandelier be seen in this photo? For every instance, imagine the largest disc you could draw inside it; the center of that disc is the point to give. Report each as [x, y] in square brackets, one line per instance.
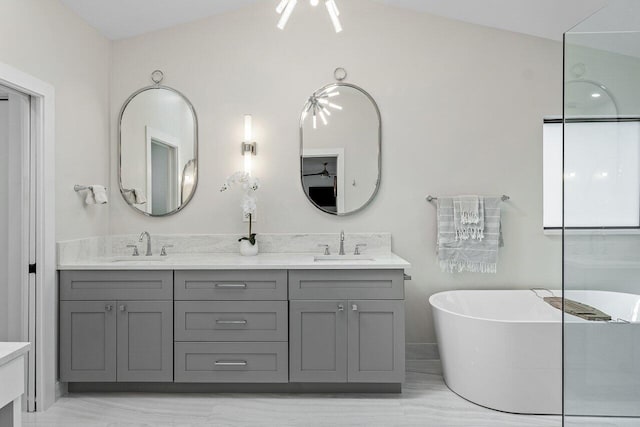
[285, 8]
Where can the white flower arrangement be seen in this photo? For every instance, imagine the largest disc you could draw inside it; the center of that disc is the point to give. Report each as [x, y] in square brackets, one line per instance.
[250, 185]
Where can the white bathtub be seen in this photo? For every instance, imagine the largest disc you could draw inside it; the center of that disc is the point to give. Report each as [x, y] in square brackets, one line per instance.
[503, 350]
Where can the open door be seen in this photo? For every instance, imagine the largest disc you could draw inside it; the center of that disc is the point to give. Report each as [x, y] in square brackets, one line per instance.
[17, 225]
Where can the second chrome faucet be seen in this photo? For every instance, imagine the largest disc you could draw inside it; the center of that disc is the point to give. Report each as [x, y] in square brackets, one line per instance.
[148, 236]
[341, 250]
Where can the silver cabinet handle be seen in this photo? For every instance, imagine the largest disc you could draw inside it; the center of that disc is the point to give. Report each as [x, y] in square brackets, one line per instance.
[340, 307]
[231, 363]
[354, 307]
[231, 285]
[108, 307]
[231, 322]
[123, 308]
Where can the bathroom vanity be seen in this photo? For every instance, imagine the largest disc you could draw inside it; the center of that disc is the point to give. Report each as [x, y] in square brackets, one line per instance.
[281, 322]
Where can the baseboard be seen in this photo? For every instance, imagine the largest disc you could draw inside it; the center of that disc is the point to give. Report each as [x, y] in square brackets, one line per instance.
[60, 389]
[422, 351]
[237, 387]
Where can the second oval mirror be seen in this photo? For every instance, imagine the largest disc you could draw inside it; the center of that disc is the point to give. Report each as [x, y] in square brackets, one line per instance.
[158, 151]
[340, 149]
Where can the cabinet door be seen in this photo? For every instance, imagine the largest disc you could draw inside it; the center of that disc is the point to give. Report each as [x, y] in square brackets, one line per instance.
[376, 341]
[318, 341]
[88, 341]
[145, 341]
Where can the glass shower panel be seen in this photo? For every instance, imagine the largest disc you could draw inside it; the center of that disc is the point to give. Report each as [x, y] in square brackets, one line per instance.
[601, 222]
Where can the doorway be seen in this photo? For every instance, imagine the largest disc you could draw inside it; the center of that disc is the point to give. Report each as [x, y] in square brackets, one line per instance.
[17, 229]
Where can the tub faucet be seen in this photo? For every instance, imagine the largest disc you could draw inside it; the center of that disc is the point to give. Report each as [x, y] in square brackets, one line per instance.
[341, 243]
[148, 236]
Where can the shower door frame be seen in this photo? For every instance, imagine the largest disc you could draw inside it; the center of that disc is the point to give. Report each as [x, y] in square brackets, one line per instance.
[42, 302]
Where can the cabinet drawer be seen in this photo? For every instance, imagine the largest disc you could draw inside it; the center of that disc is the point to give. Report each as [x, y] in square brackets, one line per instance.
[231, 321]
[265, 285]
[346, 284]
[124, 285]
[231, 362]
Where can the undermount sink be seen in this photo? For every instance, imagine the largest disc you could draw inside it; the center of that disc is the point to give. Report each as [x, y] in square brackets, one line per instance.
[334, 258]
[140, 258]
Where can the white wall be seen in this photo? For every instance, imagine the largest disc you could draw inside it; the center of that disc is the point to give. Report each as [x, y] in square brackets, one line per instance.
[47, 40]
[462, 110]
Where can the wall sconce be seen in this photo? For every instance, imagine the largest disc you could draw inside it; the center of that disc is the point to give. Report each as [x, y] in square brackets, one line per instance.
[248, 146]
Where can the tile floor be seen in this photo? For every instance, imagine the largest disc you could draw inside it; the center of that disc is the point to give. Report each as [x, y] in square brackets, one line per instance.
[425, 401]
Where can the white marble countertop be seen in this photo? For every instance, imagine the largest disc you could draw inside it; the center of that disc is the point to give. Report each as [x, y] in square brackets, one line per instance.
[12, 350]
[226, 261]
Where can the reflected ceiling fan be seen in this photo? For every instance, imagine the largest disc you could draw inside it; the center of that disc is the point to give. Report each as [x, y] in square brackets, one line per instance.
[325, 173]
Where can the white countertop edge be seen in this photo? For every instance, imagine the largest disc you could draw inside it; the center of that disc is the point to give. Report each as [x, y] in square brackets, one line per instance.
[12, 350]
[269, 261]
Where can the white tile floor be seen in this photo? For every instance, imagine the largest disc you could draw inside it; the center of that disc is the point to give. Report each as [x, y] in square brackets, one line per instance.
[425, 401]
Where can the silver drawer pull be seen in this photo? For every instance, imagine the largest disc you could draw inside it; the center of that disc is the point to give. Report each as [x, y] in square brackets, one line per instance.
[231, 285]
[231, 322]
[340, 307]
[231, 363]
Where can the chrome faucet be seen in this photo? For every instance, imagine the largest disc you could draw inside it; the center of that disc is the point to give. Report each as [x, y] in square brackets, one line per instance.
[341, 243]
[148, 236]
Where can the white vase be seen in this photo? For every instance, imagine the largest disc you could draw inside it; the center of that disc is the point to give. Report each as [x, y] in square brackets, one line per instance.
[247, 249]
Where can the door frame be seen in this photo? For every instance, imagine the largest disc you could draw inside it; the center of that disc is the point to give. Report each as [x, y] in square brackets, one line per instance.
[338, 153]
[154, 135]
[43, 150]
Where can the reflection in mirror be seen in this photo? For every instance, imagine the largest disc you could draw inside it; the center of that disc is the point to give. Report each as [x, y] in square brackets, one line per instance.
[587, 98]
[158, 151]
[340, 149]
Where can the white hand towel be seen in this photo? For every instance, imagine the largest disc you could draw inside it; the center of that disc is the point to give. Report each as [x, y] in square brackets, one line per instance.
[468, 213]
[99, 194]
[139, 197]
[135, 196]
[90, 198]
[468, 208]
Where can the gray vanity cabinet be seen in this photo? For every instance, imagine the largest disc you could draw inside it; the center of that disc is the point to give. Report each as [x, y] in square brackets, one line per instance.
[116, 326]
[145, 341]
[376, 341]
[346, 326]
[318, 341]
[319, 327]
[88, 341]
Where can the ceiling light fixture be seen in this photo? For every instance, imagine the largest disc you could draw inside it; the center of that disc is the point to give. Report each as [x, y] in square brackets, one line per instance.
[285, 8]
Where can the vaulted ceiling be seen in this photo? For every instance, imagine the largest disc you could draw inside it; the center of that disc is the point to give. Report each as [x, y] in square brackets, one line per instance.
[118, 19]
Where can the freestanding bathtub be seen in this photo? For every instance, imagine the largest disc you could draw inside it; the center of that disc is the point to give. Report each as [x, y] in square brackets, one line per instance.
[503, 349]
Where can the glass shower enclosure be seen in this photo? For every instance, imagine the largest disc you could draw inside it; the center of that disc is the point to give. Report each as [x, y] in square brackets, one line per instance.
[601, 219]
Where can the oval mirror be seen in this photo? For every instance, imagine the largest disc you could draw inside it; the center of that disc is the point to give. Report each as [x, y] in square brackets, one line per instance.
[340, 149]
[158, 151]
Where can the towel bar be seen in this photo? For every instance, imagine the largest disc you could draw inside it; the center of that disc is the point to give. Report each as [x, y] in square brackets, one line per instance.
[504, 198]
[78, 188]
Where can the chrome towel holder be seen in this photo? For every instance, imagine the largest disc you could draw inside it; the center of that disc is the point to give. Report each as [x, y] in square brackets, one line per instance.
[504, 198]
[77, 188]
